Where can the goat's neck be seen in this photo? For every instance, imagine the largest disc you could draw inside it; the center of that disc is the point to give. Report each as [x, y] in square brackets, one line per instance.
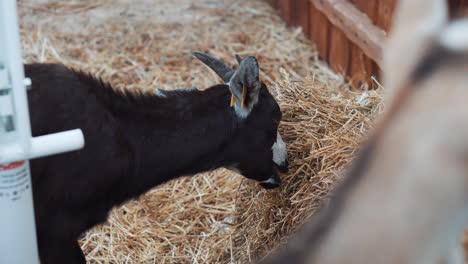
[409, 203]
[181, 134]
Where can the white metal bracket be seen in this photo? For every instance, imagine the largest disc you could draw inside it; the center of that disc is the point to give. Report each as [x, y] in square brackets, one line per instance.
[18, 243]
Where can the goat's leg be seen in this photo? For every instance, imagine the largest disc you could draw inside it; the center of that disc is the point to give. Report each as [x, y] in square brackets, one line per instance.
[62, 252]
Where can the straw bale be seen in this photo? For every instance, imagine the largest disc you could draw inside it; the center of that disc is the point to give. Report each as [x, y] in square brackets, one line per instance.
[214, 217]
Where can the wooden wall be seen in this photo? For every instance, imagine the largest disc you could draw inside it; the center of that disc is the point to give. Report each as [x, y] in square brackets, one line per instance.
[349, 34]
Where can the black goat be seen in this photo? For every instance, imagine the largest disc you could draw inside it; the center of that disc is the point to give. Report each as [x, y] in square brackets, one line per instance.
[137, 141]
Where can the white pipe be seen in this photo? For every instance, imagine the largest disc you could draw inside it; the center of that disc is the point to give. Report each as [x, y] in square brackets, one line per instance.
[43, 146]
[18, 243]
[14, 64]
[56, 143]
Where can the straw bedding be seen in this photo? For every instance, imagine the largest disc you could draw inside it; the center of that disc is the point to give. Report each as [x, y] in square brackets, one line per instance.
[215, 217]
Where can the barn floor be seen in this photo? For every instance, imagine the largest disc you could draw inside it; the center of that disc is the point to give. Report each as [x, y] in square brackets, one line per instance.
[216, 217]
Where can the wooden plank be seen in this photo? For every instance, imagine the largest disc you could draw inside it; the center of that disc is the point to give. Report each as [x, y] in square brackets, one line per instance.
[275, 3]
[454, 6]
[319, 31]
[285, 9]
[355, 25]
[300, 14]
[361, 66]
[294, 9]
[367, 7]
[458, 7]
[385, 11]
[463, 7]
[340, 49]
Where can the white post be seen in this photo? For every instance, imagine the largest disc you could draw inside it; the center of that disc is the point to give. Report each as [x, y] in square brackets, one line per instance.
[18, 243]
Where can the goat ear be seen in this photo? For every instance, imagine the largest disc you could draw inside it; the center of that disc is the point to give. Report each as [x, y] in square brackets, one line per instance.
[245, 86]
[416, 25]
[238, 58]
[223, 71]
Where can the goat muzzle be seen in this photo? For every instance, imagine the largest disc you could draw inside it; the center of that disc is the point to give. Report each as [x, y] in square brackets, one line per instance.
[273, 182]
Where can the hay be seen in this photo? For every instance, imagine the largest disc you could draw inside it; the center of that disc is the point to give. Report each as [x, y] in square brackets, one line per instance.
[216, 217]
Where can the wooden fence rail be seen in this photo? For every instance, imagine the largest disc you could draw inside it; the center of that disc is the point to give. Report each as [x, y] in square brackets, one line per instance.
[349, 34]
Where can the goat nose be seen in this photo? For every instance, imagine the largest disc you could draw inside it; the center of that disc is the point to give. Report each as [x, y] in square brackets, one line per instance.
[271, 183]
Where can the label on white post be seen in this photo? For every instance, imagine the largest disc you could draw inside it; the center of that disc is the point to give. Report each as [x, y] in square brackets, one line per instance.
[14, 180]
[18, 243]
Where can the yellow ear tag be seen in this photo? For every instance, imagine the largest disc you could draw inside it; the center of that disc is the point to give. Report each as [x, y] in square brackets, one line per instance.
[244, 95]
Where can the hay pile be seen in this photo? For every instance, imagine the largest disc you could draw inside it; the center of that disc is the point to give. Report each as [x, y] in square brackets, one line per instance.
[217, 217]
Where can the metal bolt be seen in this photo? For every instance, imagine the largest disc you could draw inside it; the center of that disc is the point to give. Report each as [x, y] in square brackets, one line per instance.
[28, 83]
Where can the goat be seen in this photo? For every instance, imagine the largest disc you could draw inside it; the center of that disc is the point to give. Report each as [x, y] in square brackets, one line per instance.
[405, 198]
[137, 141]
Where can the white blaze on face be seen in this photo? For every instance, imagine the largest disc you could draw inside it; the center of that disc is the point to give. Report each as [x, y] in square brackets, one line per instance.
[280, 155]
